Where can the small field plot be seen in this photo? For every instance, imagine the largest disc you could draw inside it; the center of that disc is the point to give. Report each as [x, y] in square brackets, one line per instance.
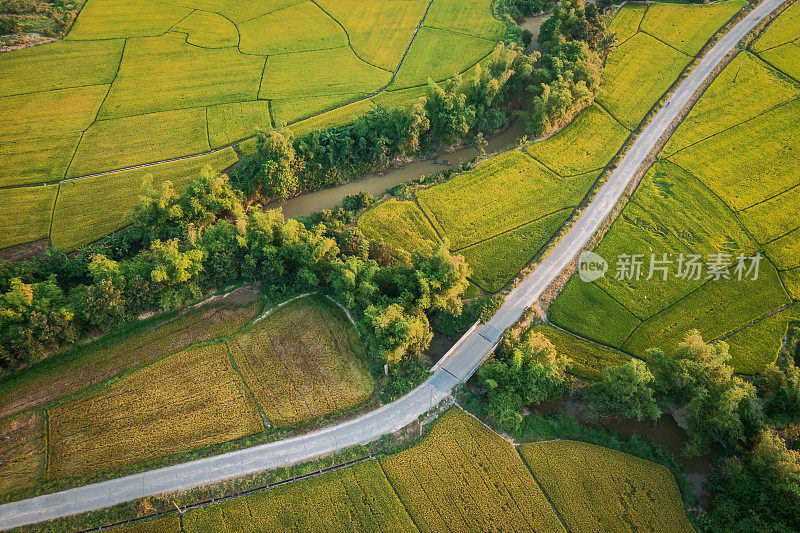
[626, 22]
[785, 58]
[463, 477]
[379, 30]
[110, 19]
[321, 111]
[784, 29]
[785, 251]
[745, 89]
[496, 261]
[586, 310]
[636, 75]
[439, 55]
[59, 65]
[404, 98]
[599, 489]
[585, 144]
[303, 361]
[359, 498]
[587, 359]
[23, 452]
[82, 367]
[297, 28]
[473, 17]
[41, 131]
[177, 75]
[320, 72]
[231, 122]
[26, 214]
[89, 208]
[499, 194]
[336, 117]
[755, 347]
[688, 27]
[751, 162]
[209, 30]
[148, 138]
[192, 399]
[791, 281]
[399, 223]
[168, 524]
[742, 302]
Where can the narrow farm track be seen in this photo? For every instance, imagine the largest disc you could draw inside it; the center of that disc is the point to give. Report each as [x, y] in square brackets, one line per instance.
[456, 366]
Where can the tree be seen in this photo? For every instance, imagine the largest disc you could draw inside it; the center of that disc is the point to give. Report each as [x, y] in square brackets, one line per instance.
[395, 333]
[448, 115]
[103, 302]
[779, 385]
[174, 273]
[625, 390]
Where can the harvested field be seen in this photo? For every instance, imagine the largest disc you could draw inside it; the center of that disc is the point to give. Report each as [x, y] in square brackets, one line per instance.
[303, 361]
[23, 450]
[69, 373]
[400, 223]
[192, 399]
[462, 477]
[599, 489]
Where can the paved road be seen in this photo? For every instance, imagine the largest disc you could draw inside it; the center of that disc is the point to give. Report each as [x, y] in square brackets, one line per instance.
[456, 366]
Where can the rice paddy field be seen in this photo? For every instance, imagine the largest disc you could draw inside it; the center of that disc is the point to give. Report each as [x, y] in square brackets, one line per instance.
[598, 489]
[209, 376]
[145, 82]
[500, 214]
[460, 477]
[726, 183]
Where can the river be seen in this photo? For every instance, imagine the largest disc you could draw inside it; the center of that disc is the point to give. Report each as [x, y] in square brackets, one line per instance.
[377, 184]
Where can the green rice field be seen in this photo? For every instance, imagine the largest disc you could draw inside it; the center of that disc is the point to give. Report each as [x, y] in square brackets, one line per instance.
[727, 183]
[144, 82]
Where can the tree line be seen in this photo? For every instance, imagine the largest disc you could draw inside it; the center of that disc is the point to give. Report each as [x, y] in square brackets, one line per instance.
[545, 89]
[181, 245]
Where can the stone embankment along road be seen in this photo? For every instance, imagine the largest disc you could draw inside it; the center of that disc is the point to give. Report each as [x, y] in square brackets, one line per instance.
[457, 365]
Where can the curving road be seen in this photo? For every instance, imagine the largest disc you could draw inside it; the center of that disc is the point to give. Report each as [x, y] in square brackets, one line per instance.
[456, 366]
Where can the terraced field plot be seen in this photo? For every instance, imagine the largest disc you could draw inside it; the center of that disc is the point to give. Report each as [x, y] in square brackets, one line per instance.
[599, 489]
[359, 498]
[779, 45]
[460, 477]
[143, 82]
[728, 184]
[72, 372]
[400, 223]
[303, 361]
[587, 359]
[190, 400]
[199, 379]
